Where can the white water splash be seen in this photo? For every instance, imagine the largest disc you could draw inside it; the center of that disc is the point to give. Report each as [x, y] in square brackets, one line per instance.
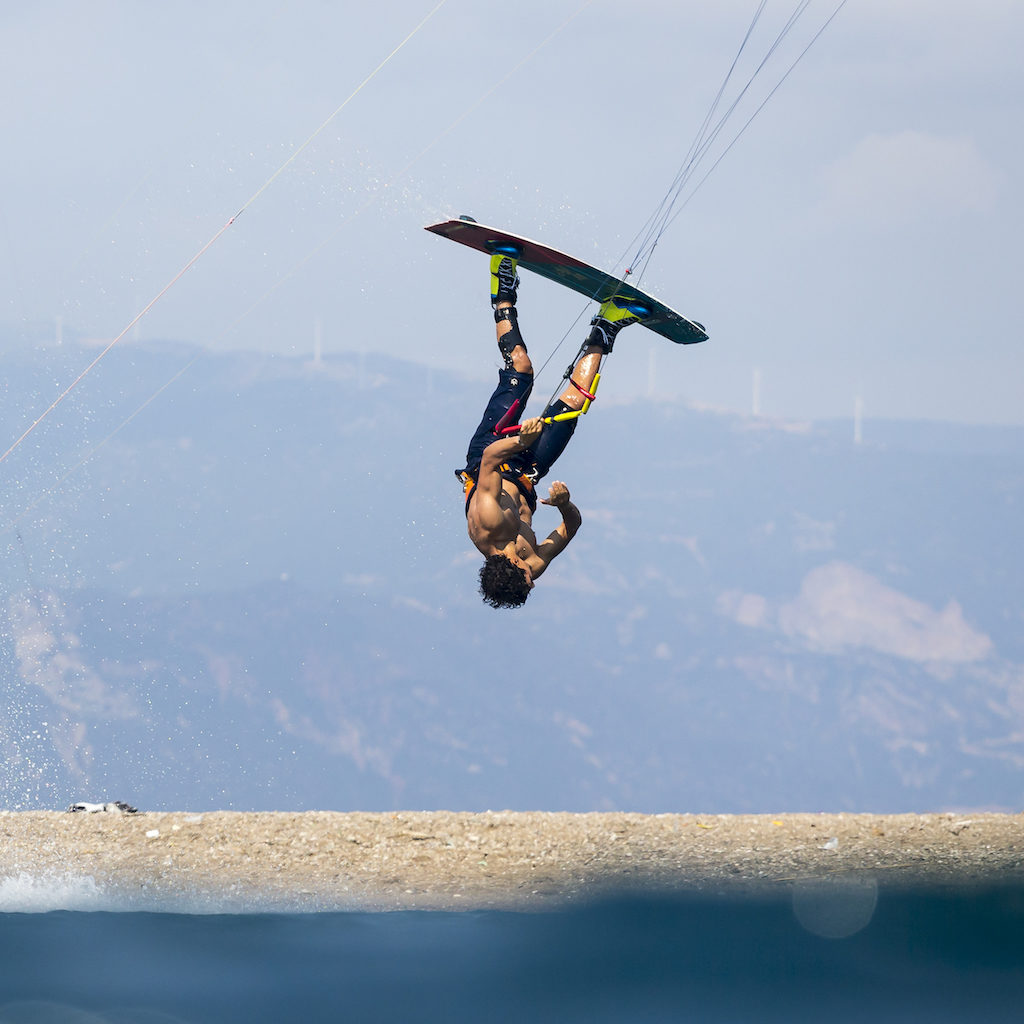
[38, 894]
[29, 893]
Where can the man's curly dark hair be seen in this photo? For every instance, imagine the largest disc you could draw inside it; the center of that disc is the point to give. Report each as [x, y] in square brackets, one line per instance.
[503, 584]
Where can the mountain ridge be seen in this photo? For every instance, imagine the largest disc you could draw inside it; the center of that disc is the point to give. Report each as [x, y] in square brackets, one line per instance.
[258, 593]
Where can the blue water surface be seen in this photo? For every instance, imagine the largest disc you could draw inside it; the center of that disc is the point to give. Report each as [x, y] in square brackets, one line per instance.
[931, 957]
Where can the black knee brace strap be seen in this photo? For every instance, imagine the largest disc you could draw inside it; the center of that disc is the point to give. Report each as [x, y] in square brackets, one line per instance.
[508, 341]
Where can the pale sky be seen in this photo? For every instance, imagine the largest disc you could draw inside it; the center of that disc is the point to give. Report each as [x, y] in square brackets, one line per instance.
[860, 240]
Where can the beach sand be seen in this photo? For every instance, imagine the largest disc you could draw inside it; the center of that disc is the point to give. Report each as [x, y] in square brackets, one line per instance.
[438, 860]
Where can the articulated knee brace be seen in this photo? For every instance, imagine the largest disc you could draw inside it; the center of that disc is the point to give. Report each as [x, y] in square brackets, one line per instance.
[508, 341]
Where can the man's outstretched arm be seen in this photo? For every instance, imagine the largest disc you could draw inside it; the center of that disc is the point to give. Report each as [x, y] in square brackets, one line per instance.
[557, 541]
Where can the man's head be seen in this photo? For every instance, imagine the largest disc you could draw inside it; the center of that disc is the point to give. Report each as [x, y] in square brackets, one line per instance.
[504, 583]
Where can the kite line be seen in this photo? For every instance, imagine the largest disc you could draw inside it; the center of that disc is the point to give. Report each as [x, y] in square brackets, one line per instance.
[205, 248]
[669, 207]
[294, 269]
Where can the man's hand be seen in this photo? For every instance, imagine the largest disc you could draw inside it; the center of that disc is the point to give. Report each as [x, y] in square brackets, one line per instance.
[558, 495]
[554, 544]
[530, 430]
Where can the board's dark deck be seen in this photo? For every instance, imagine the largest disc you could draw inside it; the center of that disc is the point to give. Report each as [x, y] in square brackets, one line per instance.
[572, 273]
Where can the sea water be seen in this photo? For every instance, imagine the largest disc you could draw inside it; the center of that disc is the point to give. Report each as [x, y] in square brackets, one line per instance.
[69, 954]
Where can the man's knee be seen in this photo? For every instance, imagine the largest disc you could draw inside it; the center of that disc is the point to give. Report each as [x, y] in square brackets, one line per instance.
[514, 352]
[521, 362]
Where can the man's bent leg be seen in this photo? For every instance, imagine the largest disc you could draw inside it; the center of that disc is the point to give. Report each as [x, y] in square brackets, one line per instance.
[552, 442]
[515, 382]
[611, 318]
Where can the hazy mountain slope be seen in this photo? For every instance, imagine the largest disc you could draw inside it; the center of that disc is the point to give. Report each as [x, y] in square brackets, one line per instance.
[259, 594]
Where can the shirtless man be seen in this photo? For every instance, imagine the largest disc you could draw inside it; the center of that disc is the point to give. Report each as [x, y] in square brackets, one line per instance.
[501, 471]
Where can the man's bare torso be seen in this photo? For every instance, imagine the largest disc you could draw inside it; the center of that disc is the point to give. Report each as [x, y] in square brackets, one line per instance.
[516, 523]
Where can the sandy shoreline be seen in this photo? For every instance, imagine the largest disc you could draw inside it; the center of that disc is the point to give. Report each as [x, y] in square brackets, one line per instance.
[496, 860]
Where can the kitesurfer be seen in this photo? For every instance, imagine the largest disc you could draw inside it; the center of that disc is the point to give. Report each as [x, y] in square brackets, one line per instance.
[502, 472]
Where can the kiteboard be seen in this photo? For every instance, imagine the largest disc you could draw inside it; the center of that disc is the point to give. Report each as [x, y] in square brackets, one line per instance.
[572, 273]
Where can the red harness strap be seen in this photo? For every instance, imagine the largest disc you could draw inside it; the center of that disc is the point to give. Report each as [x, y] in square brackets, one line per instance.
[583, 391]
[499, 427]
